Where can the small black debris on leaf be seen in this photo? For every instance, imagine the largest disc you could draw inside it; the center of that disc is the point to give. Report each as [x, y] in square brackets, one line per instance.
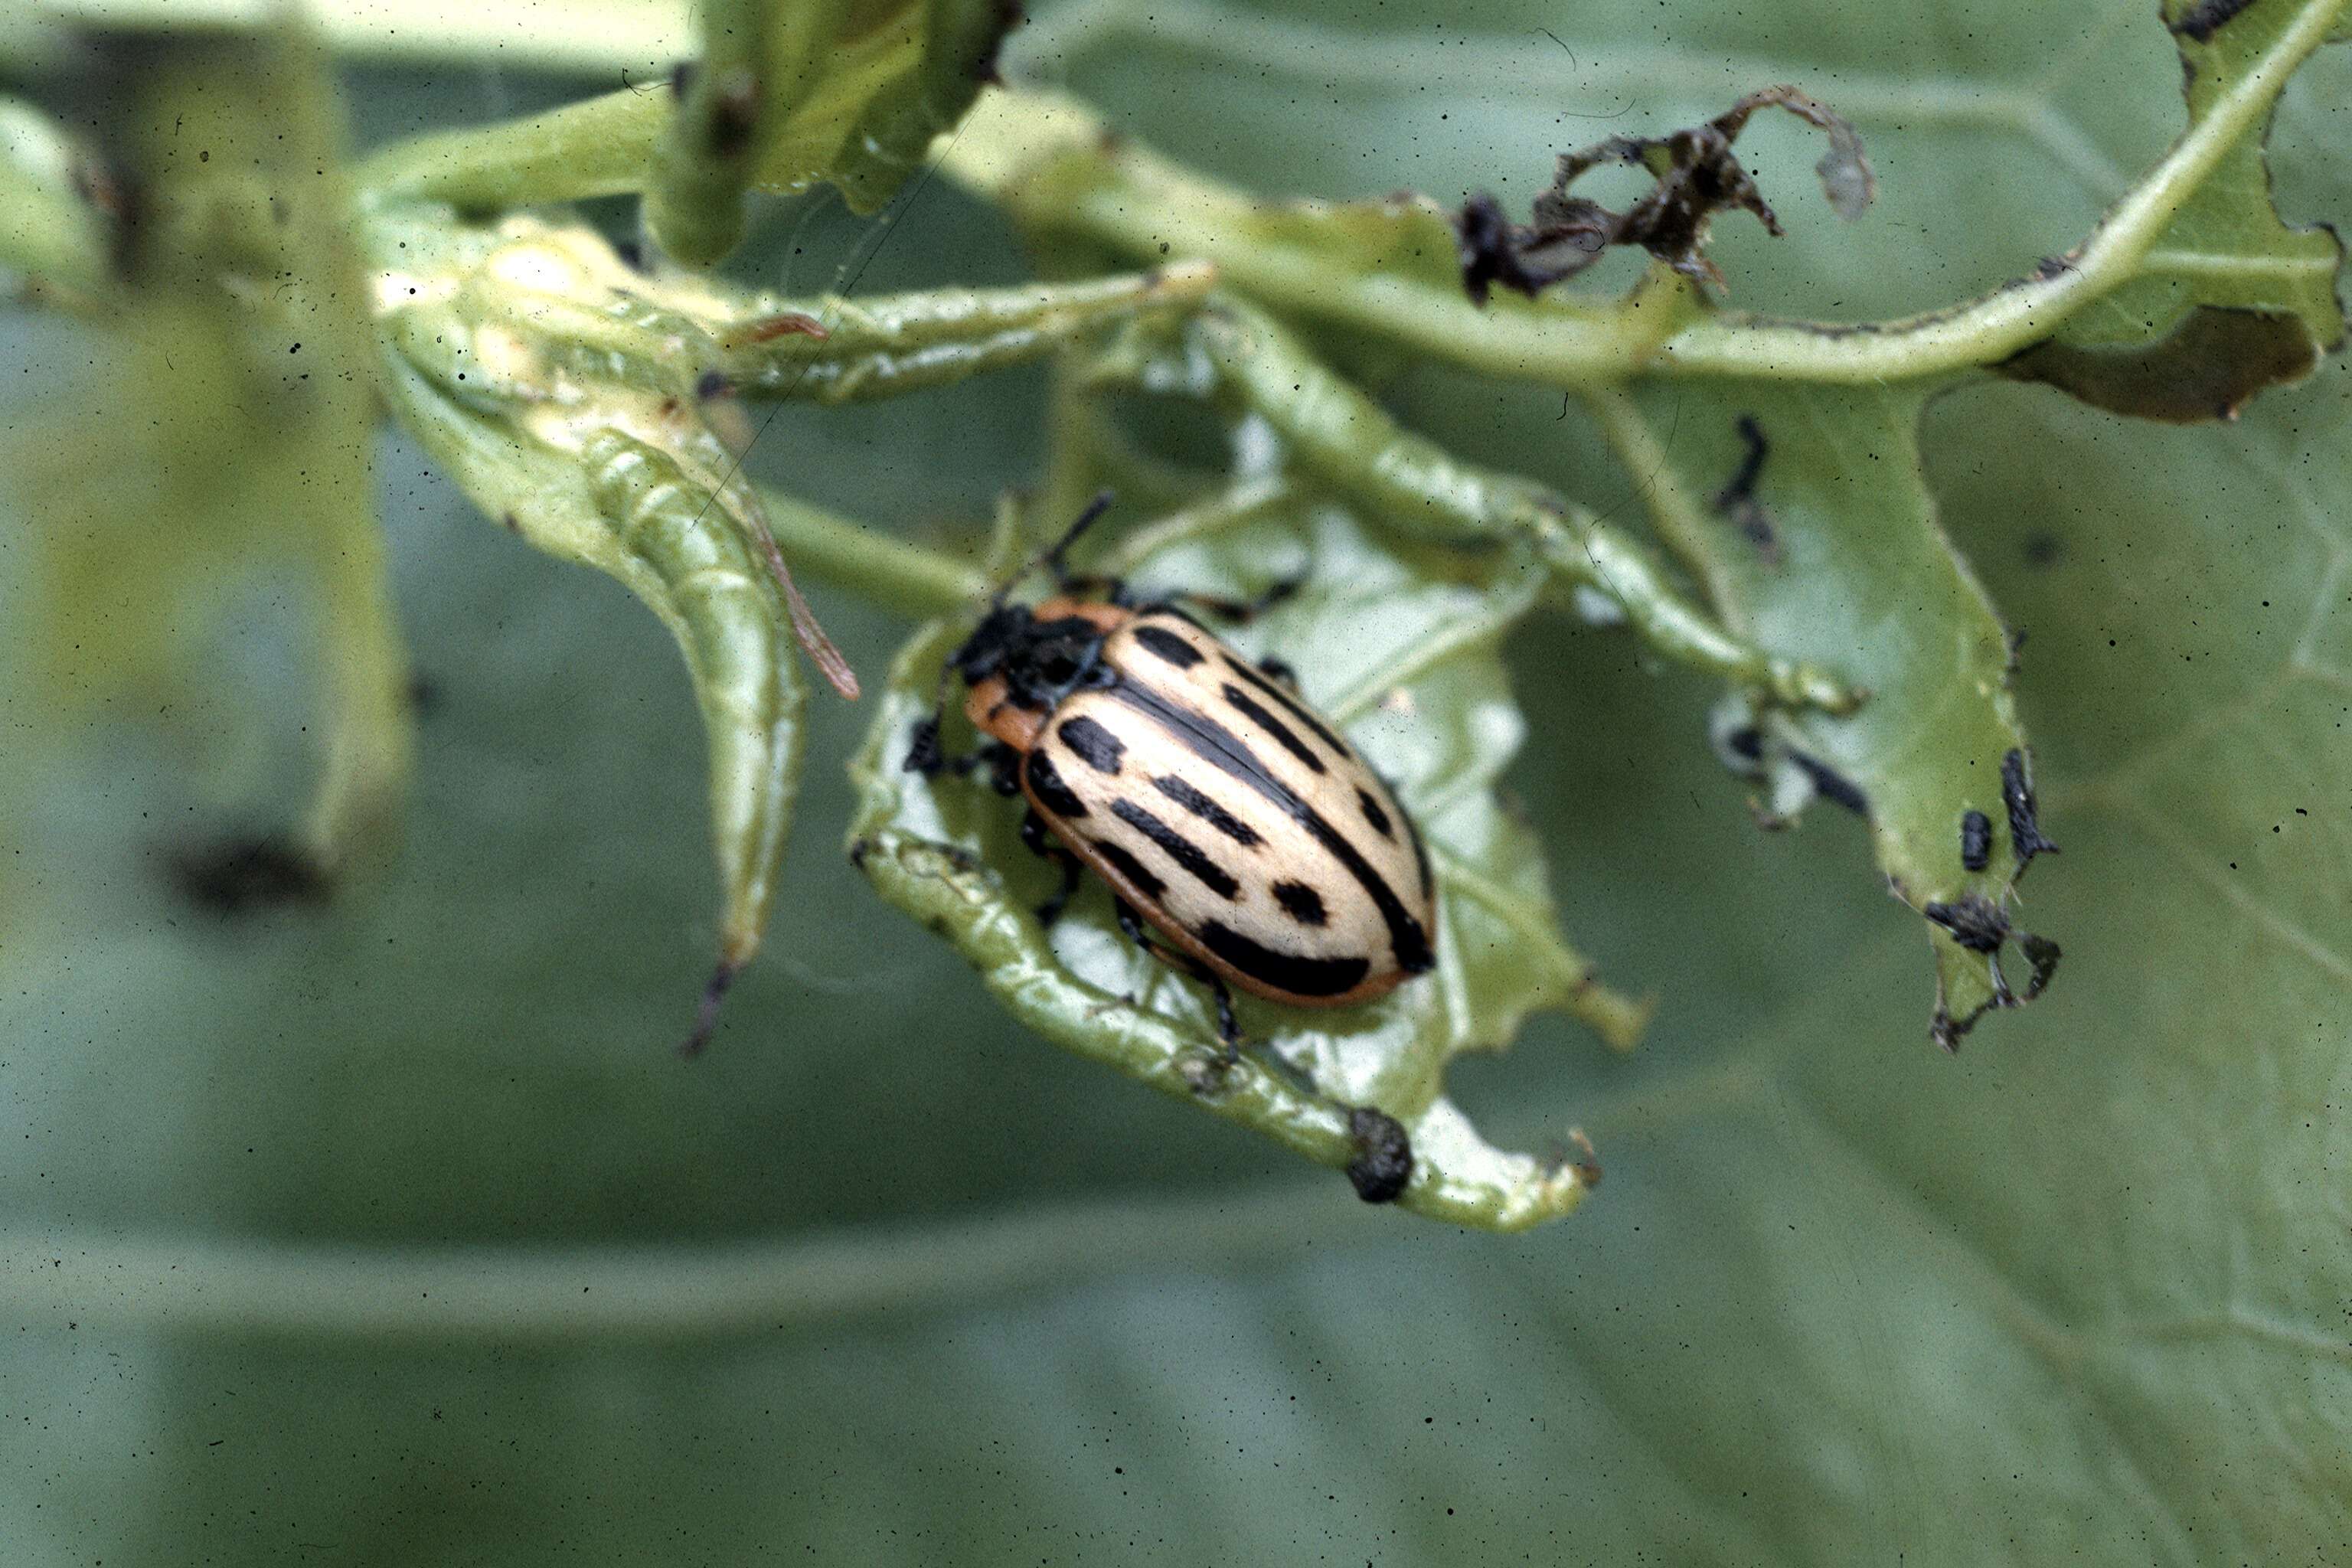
[242, 875]
[1737, 499]
[1696, 177]
[1383, 1161]
[2043, 955]
[923, 755]
[706, 1015]
[1833, 786]
[2199, 22]
[2017, 794]
[1975, 922]
[1976, 840]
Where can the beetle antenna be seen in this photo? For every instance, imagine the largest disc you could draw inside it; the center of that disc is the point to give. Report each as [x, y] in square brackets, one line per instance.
[1051, 559]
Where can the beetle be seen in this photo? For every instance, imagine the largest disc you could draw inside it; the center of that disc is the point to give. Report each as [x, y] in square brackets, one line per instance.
[1223, 812]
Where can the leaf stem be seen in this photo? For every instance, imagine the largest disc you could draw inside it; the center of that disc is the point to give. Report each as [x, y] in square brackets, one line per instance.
[1053, 160]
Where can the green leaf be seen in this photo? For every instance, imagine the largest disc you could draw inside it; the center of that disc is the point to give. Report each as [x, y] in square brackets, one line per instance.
[228, 350]
[2230, 298]
[381, 1235]
[1403, 653]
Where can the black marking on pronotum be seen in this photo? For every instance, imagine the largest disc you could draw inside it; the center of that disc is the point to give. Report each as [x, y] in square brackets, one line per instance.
[1274, 727]
[2200, 22]
[2043, 955]
[1045, 783]
[2017, 794]
[1146, 885]
[1375, 816]
[1975, 922]
[1223, 750]
[1296, 972]
[1168, 646]
[1290, 705]
[1177, 848]
[1096, 746]
[1834, 786]
[1300, 902]
[1976, 840]
[1383, 1161]
[1207, 810]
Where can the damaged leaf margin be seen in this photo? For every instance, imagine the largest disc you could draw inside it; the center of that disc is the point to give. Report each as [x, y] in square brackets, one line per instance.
[1424, 697]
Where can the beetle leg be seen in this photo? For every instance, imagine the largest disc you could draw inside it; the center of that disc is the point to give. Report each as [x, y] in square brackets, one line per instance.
[1229, 1029]
[1243, 611]
[1279, 671]
[1032, 839]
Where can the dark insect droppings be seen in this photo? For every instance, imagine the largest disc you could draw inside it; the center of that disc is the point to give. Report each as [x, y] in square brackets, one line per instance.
[1382, 1167]
[1976, 840]
[1975, 922]
[1834, 786]
[2017, 794]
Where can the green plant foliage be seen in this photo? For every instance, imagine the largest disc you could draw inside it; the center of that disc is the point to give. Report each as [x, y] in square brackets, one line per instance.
[387, 1231]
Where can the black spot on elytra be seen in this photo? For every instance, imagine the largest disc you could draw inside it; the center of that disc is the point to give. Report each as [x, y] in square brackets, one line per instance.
[1147, 886]
[1280, 733]
[1384, 1164]
[1094, 745]
[1300, 902]
[1288, 703]
[1976, 840]
[1375, 816]
[1167, 645]
[1045, 786]
[1293, 973]
[1206, 810]
[1177, 848]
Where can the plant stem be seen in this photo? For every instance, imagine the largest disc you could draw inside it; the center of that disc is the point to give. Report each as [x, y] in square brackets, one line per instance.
[905, 578]
[1052, 160]
[597, 147]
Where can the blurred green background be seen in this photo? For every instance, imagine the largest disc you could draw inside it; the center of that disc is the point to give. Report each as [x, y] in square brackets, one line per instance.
[391, 1231]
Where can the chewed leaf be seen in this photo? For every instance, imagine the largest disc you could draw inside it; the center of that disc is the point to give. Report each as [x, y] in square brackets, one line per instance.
[1761, 498]
[1403, 657]
[2230, 298]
